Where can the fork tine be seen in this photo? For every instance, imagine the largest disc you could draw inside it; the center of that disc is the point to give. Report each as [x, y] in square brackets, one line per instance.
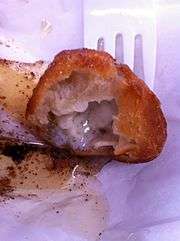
[100, 44]
[128, 40]
[138, 57]
[109, 42]
[119, 54]
[149, 56]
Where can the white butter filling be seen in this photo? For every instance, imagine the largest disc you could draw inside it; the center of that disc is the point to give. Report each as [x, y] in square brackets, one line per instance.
[82, 130]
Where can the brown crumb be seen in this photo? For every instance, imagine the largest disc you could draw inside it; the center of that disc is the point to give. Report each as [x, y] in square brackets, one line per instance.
[32, 74]
[5, 186]
[11, 171]
[32, 195]
[4, 104]
[2, 97]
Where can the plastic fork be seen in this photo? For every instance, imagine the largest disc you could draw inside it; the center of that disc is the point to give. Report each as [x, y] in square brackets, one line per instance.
[126, 30]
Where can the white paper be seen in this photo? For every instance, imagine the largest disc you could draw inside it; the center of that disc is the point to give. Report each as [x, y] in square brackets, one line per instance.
[125, 202]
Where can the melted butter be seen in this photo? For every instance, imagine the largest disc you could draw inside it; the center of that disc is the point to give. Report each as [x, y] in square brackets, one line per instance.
[85, 129]
[81, 130]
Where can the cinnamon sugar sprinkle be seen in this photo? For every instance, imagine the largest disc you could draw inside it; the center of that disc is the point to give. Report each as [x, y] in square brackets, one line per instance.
[38, 171]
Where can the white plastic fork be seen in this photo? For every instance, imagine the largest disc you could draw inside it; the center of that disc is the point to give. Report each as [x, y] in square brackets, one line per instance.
[126, 30]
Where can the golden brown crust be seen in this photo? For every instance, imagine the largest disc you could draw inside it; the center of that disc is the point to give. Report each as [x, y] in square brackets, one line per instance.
[140, 117]
[100, 63]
